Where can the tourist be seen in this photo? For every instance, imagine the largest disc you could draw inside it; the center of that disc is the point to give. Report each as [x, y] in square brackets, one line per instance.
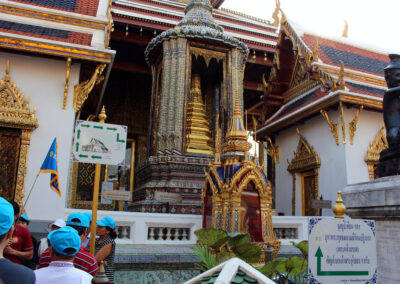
[24, 221]
[20, 247]
[105, 245]
[43, 244]
[87, 239]
[83, 259]
[64, 245]
[10, 273]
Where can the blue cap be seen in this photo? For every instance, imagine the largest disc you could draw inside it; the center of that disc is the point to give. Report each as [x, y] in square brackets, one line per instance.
[24, 217]
[78, 219]
[6, 216]
[106, 222]
[65, 238]
[88, 215]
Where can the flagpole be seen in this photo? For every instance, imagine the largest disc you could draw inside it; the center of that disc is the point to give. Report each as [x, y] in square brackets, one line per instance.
[29, 194]
[24, 203]
[97, 173]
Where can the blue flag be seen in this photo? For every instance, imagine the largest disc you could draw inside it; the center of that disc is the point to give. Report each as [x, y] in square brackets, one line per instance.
[50, 166]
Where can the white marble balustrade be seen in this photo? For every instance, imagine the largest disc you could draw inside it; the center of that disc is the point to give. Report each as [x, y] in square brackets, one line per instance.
[138, 228]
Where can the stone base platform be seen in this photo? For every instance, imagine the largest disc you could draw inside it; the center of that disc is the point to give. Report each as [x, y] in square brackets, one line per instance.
[379, 200]
[154, 264]
[163, 264]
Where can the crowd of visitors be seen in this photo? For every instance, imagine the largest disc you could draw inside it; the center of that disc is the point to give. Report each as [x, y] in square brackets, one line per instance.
[61, 257]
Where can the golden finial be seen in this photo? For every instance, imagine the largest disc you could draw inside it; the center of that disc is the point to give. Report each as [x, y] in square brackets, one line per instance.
[346, 29]
[101, 276]
[315, 50]
[339, 209]
[102, 115]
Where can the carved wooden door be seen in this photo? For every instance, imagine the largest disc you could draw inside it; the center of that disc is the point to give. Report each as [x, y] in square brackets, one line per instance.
[308, 190]
[10, 143]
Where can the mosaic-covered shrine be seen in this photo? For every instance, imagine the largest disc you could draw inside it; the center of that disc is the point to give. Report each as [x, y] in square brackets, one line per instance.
[237, 196]
[196, 73]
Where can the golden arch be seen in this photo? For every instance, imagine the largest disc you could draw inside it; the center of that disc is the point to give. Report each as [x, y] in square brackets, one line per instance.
[15, 113]
[373, 152]
[305, 159]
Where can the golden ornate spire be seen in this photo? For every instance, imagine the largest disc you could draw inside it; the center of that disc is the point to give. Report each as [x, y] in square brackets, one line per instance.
[198, 134]
[236, 137]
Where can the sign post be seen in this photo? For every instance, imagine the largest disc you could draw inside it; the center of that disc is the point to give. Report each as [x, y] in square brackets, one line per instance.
[97, 172]
[318, 203]
[341, 250]
[99, 143]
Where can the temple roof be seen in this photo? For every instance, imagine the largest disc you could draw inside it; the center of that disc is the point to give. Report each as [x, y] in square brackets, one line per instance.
[312, 72]
[76, 29]
[214, 3]
[198, 23]
[45, 33]
[162, 15]
[84, 7]
[355, 58]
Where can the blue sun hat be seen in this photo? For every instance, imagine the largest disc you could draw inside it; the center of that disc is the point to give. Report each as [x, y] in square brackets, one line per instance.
[78, 219]
[88, 215]
[106, 222]
[24, 217]
[6, 216]
[63, 239]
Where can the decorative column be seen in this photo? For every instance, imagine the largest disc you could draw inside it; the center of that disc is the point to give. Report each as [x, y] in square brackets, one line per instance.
[181, 91]
[172, 94]
[162, 129]
[22, 164]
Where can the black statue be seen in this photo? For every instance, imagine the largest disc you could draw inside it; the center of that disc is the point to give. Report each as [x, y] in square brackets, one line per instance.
[389, 162]
[391, 101]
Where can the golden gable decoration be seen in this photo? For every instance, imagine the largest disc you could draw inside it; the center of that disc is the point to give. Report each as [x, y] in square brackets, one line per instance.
[305, 158]
[15, 113]
[14, 108]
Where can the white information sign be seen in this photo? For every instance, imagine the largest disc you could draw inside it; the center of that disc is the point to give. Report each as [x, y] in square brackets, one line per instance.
[117, 195]
[99, 143]
[341, 251]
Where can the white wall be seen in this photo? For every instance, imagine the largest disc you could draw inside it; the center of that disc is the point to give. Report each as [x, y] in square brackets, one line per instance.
[340, 165]
[332, 174]
[287, 142]
[43, 80]
[369, 124]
